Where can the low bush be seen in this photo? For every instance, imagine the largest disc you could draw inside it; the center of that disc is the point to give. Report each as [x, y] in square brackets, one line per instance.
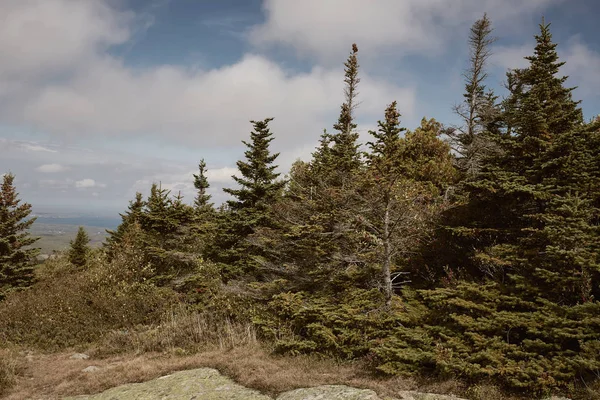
[69, 306]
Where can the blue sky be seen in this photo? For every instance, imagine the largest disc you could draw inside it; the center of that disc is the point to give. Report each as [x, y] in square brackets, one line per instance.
[100, 98]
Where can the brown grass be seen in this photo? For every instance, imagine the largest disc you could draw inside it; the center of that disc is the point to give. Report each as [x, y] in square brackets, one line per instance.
[181, 332]
[56, 375]
[8, 369]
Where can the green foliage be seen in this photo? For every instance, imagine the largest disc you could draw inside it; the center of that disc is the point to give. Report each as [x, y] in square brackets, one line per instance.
[131, 216]
[201, 202]
[259, 189]
[479, 333]
[478, 111]
[16, 256]
[501, 259]
[80, 250]
[343, 326]
[72, 307]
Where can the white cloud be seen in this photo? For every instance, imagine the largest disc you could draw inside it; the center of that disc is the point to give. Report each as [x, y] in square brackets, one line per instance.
[582, 65]
[221, 175]
[55, 183]
[47, 37]
[51, 168]
[510, 57]
[92, 93]
[88, 183]
[326, 28]
[203, 107]
[36, 148]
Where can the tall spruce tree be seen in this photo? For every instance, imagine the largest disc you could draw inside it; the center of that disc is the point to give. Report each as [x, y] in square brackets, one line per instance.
[259, 189]
[259, 186]
[478, 109]
[341, 146]
[202, 200]
[386, 169]
[80, 249]
[16, 256]
[320, 238]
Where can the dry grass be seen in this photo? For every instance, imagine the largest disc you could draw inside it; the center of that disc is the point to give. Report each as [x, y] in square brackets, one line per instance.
[180, 331]
[8, 369]
[56, 375]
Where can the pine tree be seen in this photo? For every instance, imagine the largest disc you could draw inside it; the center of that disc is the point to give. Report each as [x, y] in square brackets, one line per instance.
[16, 257]
[385, 162]
[478, 110]
[80, 250]
[408, 177]
[259, 186]
[345, 157]
[250, 209]
[523, 306]
[202, 200]
[540, 108]
[321, 240]
[131, 216]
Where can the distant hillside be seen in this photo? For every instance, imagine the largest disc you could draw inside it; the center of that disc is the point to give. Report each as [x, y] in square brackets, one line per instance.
[56, 231]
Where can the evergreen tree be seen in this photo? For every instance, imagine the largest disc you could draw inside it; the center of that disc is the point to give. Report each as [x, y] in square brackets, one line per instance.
[170, 247]
[321, 240]
[385, 162]
[16, 257]
[259, 189]
[259, 186]
[523, 304]
[202, 200]
[540, 108]
[131, 216]
[478, 110]
[339, 154]
[79, 251]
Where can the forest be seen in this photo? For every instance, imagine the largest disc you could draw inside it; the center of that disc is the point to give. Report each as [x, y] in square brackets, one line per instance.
[465, 252]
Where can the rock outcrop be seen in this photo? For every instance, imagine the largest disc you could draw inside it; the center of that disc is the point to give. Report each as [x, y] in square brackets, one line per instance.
[209, 384]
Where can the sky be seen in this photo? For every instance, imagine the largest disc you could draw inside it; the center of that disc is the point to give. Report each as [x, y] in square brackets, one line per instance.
[100, 98]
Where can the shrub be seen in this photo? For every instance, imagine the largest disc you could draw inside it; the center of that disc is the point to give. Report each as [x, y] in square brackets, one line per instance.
[70, 307]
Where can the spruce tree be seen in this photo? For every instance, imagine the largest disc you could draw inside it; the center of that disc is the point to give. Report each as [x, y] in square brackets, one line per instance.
[345, 157]
[406, 180]
[522, 309]
[79, 251]
[167, 222]
[202, 200]
[131, 216]
[16, 255]
[259, 186]
[386, 169]
[323, 243]
[478, 109]
[250, 209]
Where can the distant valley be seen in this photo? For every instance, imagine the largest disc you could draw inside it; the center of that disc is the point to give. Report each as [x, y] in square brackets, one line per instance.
[57, 230]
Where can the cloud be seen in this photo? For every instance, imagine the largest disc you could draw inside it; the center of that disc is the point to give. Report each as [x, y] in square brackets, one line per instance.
[511, 57]
[88, 183]
[191, 106]
[50, 37]
[51, 168]
[55, 183]
[36, 148]
[324, 29]
[80, 90]
[582, 65]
